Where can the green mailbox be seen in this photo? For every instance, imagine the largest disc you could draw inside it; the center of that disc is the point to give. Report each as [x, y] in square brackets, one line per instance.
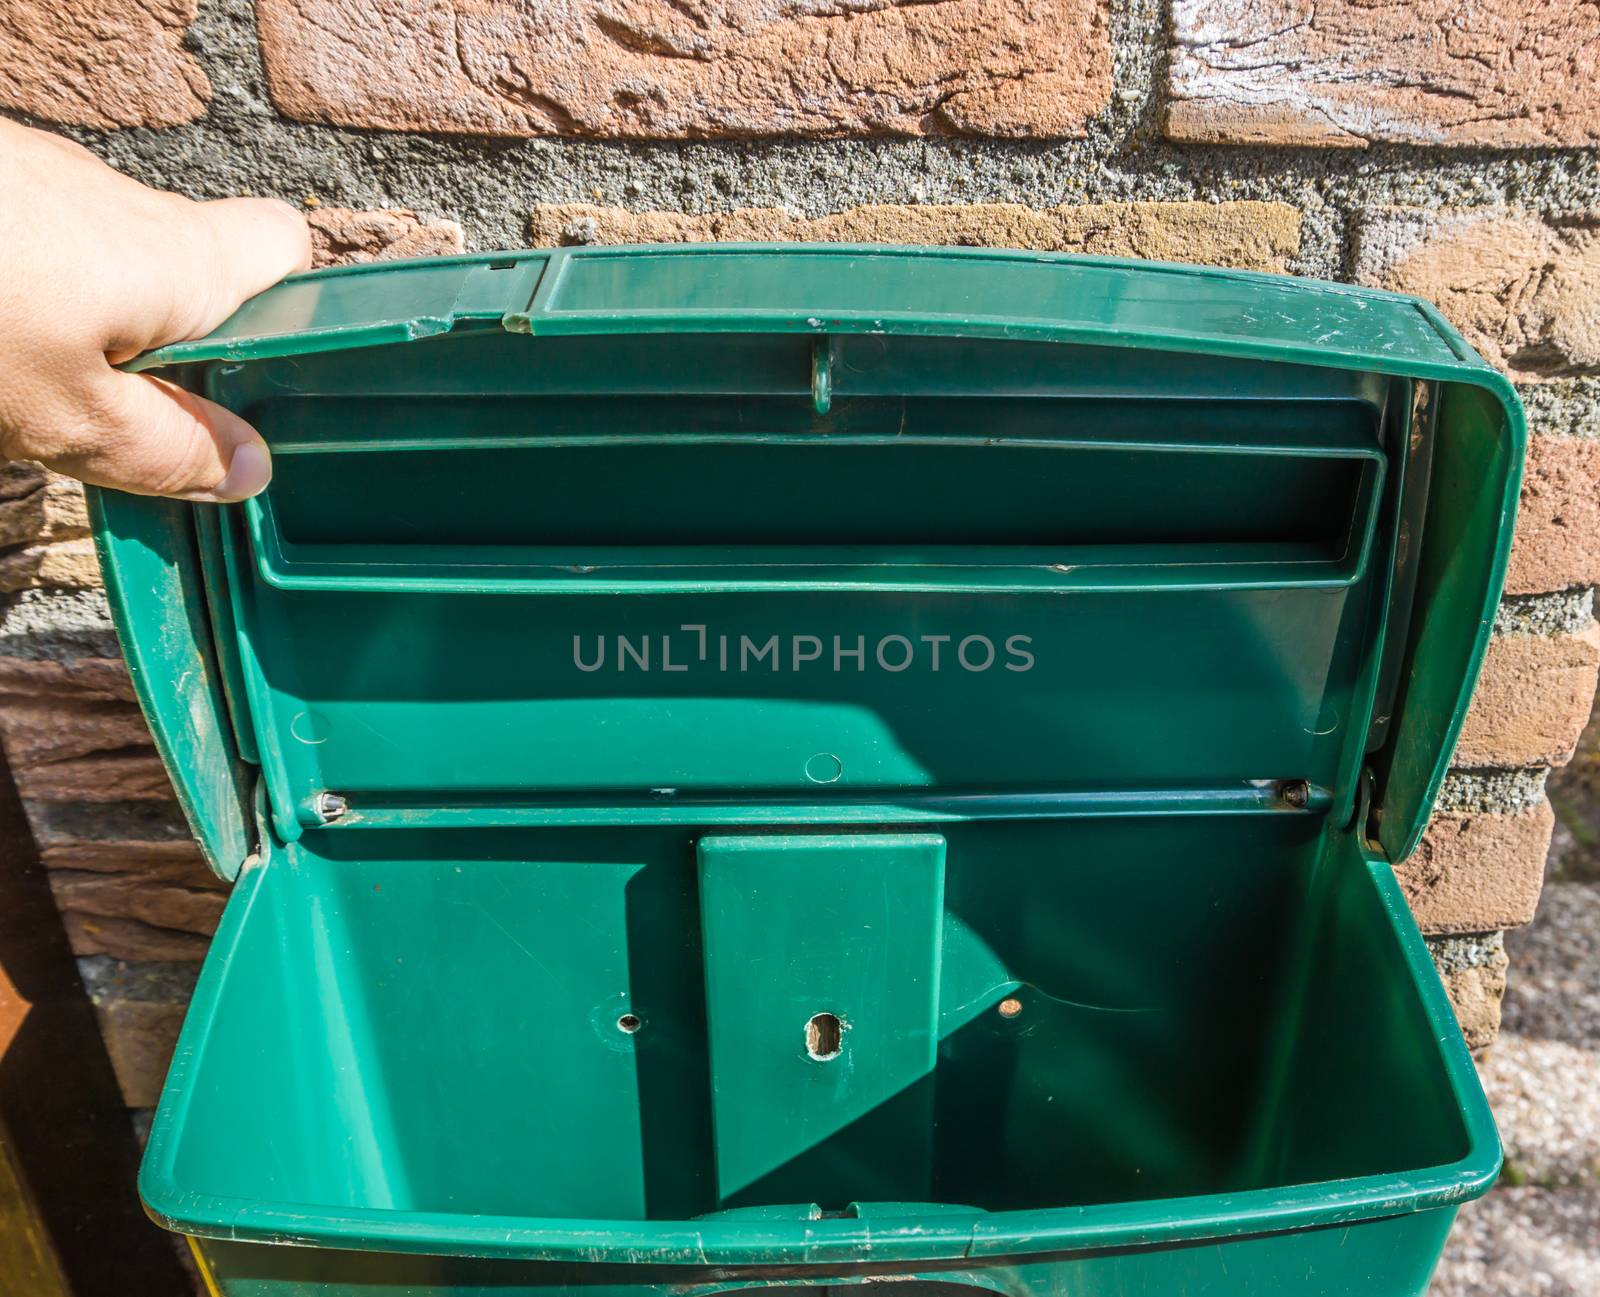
[754, 767]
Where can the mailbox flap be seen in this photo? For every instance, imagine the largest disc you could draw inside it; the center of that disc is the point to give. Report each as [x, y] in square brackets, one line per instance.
[748, 535]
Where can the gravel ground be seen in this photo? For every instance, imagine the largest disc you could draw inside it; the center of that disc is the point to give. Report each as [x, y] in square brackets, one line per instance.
[1546, 1097]
[1538, 1233]
[1554, 993]
[1524, 1243]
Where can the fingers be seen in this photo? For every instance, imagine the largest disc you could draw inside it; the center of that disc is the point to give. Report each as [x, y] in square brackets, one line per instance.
[172, 442]
[166, 441]
[100, 268]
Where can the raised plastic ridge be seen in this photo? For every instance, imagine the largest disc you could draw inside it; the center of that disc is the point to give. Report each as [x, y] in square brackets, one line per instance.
[844, 289]
[847, 288]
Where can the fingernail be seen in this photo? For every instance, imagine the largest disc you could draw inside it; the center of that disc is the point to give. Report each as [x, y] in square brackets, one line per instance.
[249, 471]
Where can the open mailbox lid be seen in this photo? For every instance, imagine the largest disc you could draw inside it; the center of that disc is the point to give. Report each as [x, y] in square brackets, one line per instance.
[751, 535]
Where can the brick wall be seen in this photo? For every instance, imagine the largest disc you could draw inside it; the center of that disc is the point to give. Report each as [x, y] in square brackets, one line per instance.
[1433, 147]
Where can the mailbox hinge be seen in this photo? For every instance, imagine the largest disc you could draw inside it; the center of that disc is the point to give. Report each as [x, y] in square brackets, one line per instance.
[1368, 812]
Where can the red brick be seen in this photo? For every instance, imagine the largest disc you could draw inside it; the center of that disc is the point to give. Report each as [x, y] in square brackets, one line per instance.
[50, 731]
[1475, 994]
[1521, 287]
[70, 680]
[342, 235]
[124, 938]
[99, 777]
[58, 565]
[44, 529]
[72, 732]
[644, 70]
[1478, 873]
[38, 505]
[135, 900]
[1557, 544]
[1493, 74]
[177, 861]
[169, 907]
[1532, 700]
[104, 63]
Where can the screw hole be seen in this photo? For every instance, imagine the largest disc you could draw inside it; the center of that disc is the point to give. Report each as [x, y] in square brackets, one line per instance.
[629, 1023]
[824, 1036]
[1295, 793]
[1010, 1007]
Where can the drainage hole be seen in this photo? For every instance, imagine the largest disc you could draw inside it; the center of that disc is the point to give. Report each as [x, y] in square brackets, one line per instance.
[824, 1036]
[629, 1023]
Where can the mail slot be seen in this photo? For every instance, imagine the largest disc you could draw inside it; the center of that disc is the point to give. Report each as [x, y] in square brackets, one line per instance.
[816, 766]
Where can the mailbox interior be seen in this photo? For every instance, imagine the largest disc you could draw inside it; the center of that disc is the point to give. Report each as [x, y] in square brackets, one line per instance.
[1201, 1001]
[1045, 711]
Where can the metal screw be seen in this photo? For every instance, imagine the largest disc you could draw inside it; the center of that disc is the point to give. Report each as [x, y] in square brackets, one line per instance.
[1295, 793]
[330, 806]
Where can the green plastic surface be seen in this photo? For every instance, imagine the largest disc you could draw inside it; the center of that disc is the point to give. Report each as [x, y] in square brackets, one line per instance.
[1386, 1257]
[1034, 663]
[842, 933]
[1228, 1025]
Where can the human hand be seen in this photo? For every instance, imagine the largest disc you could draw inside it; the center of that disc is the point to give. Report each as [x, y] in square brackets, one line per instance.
[98, 268]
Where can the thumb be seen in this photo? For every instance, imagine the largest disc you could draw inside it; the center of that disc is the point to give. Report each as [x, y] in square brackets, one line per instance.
[258, 241]
[166, 441]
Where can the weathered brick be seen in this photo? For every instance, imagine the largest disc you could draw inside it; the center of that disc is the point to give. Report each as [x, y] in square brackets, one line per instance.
[644, 70]
[1522, 288]
[1478, 873]
[132, 898]
[125, 938]
[343, 235]
[170, 908]
[39, 733]
[67, 680]
[1532, 700]
[1557, 543]
[1255, 235]
[98, 777]
[44, 530]
[104, 63]
[140, 1037]
[38, 505]
[1495, 73]
[72, 732]
[1475, 994]
[140, 1006]
[64, 565]
[163, 862]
